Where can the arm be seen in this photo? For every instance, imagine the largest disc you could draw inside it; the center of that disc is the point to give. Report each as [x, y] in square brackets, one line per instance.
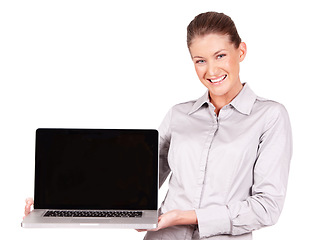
[164, 144]
[265, 204]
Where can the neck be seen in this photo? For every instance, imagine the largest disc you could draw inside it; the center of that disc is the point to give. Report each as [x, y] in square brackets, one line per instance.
[220, 101]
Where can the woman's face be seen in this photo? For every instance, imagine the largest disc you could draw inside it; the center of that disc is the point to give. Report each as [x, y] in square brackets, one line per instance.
[217, 63]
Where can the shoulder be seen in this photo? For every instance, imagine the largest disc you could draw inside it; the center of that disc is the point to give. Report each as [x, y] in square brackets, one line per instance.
[180, 108]
[175, 113]
[270, 110]
[184, 107]
[269, 106]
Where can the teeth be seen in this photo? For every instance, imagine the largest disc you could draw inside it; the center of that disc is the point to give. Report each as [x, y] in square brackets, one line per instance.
[218, 80]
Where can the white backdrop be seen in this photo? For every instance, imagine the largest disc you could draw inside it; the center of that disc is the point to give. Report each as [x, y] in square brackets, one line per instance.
[123, 64]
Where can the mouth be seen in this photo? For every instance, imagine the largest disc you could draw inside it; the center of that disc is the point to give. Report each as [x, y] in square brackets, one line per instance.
[217, 80]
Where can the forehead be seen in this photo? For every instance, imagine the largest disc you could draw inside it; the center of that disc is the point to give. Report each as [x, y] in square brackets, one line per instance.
[210, 43]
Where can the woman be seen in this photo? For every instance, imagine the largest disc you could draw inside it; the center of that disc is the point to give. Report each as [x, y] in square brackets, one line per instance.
[228, 152]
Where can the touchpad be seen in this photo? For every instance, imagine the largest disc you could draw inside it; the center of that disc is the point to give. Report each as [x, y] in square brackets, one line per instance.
[89, 221]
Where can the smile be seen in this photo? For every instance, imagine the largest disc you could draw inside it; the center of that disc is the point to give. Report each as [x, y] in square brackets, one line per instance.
[217, 80]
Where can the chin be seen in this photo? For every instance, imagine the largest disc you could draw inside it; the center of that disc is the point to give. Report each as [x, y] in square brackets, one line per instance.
[219, 90]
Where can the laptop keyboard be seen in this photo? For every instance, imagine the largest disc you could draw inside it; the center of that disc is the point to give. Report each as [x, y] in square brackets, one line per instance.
[67, 213]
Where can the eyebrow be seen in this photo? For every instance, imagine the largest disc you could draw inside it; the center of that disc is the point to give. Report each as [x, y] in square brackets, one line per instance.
[216, 53]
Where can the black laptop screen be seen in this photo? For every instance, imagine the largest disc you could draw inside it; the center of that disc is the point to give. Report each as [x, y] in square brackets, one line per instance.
[96, 169]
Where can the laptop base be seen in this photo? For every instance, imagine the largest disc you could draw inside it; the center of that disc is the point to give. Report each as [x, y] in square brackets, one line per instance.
[35, 219]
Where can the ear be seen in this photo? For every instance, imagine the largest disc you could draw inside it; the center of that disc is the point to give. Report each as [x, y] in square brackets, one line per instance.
[243, 51]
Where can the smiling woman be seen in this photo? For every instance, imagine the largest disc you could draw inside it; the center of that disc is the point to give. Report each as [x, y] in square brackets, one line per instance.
[217, 63]
[216, 50]
[228, 152]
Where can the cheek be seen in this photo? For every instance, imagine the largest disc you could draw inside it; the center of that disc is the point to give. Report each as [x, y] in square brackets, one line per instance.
[200, 71]
[232, 66]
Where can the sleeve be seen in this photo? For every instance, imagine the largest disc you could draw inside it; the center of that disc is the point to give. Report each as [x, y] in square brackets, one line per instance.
[164, 144]
[268, 192]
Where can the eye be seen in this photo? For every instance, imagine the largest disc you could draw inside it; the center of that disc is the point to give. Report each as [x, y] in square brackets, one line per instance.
[200, 61]
[220, 56]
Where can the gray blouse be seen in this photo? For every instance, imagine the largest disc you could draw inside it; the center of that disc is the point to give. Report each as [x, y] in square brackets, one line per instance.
[232, 169]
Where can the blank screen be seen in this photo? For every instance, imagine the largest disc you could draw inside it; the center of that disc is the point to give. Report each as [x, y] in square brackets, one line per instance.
[96, 169]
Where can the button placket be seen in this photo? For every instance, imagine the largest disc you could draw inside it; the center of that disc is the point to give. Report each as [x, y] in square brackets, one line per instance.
[203, 164]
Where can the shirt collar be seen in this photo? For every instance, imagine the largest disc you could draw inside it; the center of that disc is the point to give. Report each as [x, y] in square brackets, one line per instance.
[200, 102]
[243, 102]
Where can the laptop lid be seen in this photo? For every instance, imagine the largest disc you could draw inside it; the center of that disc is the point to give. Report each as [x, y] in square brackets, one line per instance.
[106, 169]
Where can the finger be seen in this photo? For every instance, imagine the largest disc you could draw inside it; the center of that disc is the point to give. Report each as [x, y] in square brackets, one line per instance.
[26, 211]
[29, 201]
[141, 230]
[28, 206]
[154, 229]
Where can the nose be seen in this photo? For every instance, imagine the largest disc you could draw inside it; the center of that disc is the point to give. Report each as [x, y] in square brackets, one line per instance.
[213, 69]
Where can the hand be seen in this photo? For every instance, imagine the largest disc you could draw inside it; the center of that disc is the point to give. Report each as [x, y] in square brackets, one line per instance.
[174, 217]
[165, 220]
[28, 203]
[168, 219]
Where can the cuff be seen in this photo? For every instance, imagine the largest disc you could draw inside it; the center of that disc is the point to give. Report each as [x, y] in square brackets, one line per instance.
[213, 221]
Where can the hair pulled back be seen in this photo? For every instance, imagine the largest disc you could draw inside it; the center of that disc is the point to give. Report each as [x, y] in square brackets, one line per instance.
[212, 22]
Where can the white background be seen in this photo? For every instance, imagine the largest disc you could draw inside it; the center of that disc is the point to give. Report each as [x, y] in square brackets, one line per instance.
[123, 64]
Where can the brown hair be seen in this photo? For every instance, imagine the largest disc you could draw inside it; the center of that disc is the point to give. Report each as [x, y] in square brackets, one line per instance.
[213, 22]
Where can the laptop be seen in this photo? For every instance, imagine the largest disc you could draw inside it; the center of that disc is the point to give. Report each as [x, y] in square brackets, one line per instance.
[104, 178]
